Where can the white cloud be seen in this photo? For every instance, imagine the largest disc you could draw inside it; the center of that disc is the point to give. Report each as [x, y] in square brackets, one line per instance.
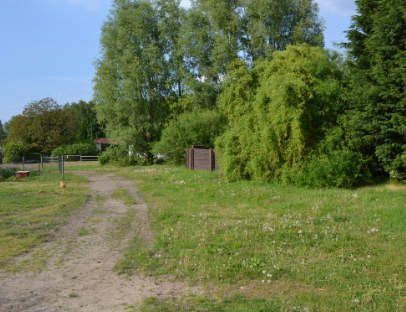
[342, 7]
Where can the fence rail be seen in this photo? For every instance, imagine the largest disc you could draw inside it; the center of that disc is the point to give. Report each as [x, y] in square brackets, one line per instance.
[38, 164]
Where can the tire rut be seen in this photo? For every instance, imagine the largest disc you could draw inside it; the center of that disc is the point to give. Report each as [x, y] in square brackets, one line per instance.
[79, 274]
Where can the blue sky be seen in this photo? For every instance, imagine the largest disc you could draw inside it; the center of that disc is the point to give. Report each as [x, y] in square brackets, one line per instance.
[49, 47]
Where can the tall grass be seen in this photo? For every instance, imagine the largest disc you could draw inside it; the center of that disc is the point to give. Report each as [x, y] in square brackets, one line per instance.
[313, 249]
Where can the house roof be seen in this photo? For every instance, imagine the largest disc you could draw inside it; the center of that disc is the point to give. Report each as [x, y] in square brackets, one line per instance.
[103, 141]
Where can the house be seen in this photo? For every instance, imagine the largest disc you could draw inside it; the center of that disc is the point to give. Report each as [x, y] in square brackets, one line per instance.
[102, 143]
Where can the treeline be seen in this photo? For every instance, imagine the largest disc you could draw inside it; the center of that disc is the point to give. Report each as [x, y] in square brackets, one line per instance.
[160, 60]
[251, 78]
[45, 125]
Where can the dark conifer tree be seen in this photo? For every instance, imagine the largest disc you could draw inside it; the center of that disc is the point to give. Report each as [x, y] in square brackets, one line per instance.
[377, 51]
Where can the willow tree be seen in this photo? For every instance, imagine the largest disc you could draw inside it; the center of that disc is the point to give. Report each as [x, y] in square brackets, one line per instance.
[131, 90]
[278, 112]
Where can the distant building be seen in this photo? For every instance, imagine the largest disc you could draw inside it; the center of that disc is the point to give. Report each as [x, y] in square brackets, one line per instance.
[102, 143]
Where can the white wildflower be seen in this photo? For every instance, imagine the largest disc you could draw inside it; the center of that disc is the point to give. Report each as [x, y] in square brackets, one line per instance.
[373, 230]
[268, 228]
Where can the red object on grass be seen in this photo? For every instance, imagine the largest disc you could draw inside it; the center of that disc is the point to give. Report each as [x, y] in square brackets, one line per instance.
[22, 174]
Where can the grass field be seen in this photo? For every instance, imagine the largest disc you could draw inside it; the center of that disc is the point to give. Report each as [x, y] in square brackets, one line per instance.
[32, 209]
[122, 194]
[298, 249]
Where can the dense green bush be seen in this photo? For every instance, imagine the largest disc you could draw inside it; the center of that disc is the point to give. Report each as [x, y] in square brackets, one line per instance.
[341, 168]
[13, 152]
[6, 173]
[278, 112]
[199, 127]
[88, 149]
[111, 154]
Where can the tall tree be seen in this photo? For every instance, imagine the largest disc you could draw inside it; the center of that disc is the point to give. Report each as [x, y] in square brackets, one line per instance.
[377, 51]
[273, 24]
[202, 79]
[220, 31]
[131, 90]
[171, 18]
[88, 126]
[42, 126]
[156, 56]
[3, 133]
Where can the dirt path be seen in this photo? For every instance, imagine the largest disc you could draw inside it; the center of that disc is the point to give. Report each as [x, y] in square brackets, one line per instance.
[79, 272]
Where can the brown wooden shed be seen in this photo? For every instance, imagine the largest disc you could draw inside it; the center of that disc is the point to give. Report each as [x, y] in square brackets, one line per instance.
[201, 158]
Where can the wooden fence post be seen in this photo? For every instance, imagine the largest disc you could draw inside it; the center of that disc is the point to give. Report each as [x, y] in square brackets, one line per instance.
[63, 168]
[187, 159]
[210, 159]
[192, 159]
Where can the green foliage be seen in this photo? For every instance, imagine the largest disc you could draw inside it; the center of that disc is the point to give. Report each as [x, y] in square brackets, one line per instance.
[111, 154]
[3, 133]
[13, 152]
[131, 90]
[159, 60]
[43, 126]
[377, 119]
[121, 157]
[88, 149]
[273, 25]
[88, 126]
[341, 168]
[197, 127]
[278, 112]
[332, 164]
[6, 173]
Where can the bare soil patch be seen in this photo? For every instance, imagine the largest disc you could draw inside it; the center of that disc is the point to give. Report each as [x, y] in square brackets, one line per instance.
[78, 275]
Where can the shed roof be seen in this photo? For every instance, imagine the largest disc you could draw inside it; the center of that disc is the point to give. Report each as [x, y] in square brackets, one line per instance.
[103, 141]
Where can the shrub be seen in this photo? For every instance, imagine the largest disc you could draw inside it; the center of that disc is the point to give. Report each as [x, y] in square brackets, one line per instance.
[342, 168]
[111, 154]
[89, 149]
[278, 112]
[6, 173]
[199, 127]
[13, 152]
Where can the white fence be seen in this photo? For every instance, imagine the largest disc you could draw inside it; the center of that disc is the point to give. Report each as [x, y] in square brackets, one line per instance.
[80, 158]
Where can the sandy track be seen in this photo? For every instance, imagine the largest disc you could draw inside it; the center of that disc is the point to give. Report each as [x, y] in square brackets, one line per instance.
[83, 265]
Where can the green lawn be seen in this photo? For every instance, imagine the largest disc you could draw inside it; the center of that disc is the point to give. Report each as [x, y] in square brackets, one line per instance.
[31, 209]
[300, 249]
